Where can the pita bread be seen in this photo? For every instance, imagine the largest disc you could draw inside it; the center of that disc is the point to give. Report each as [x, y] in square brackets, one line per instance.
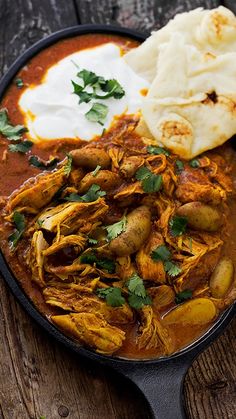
[191, 104]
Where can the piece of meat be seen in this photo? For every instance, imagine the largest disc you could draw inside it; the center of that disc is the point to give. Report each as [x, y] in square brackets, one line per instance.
[194, 185]
[92, 330]
[147, 267]
[35, 257]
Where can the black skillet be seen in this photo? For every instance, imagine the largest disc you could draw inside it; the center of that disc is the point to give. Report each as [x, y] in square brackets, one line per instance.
[160, 380]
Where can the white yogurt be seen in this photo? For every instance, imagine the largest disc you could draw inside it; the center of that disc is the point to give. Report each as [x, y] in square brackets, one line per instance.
[51, 109]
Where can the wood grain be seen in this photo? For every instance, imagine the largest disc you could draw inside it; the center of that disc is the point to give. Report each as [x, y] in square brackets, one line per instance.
[144, 15]
[37, 376]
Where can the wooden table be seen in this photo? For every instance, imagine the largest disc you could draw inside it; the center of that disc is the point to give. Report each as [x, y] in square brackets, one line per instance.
[37, 376]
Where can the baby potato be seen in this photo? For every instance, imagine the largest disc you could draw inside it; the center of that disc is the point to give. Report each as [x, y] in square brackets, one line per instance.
[104, 178]
[221, 278]
[198, 311]
[201, 216]
[130, 165]
[137, 231]
[90, 158]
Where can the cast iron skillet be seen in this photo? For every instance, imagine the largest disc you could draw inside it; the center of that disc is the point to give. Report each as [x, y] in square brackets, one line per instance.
[160, 380]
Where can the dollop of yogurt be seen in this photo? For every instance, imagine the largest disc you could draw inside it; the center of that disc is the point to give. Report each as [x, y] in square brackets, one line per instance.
[52, 110]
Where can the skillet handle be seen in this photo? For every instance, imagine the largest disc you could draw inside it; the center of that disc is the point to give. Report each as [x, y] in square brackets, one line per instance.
[161, 385]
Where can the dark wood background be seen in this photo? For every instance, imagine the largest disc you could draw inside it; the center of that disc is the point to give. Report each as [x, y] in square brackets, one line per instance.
[37, 376]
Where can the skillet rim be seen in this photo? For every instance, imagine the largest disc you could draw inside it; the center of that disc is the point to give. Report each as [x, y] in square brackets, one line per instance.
[192, 350]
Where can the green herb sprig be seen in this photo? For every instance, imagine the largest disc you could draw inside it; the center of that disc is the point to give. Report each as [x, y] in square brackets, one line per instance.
[150, 182]
[162, 253]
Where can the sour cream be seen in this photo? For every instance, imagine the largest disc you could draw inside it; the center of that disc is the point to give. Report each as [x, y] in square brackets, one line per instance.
[52, 111]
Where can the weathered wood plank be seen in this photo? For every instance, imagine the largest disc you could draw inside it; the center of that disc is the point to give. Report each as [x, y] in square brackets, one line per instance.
[23, 22]
[143, 15]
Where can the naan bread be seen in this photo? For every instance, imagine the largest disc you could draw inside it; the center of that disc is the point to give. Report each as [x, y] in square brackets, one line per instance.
[190, 63]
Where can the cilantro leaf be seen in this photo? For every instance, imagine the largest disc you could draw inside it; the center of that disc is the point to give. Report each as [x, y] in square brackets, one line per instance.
[161, 253]
[143, 173]
[88, 77]
[183, 296]
[19, 221]
[179, 166]
[92, 241]
[85, 97]
[113, 89]
[178, 225]
[112, 296]
[9, 131]
[19, 83]
[152, 183]
[37, 162]
[96, 170]
[157, 150]
[68, 165]
[104, 263]
[91, 195]
[97, 113]
[116, 229]
[138, 302]
[171, 268]
[22, 147]
[195, 163]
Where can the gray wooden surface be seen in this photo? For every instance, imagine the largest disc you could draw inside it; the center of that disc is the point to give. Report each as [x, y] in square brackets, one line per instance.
[37, 376]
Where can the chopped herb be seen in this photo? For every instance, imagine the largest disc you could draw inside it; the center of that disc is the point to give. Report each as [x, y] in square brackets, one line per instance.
[178, 225]
[19, 221]
[171, 268]
[113, 89]
[89, 78]
[107, 264]
[9, 131]
[91, 195]
[68, 165]
[39, 222]
[116, 229]
[194, 163]
[19, 83]
[95, 172]
[152, 184]
[92, 241]
[42, 417]
[112, 295]
[22, 147]
[179, 166]
[97, 113]
[161, 253]
[157, 150]
[37, 162]
[183, 296]
[137, 292]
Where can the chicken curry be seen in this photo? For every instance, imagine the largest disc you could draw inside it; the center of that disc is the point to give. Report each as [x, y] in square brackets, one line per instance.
[120, 244]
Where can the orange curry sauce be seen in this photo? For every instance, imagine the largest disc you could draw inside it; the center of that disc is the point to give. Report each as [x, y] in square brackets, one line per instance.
[15, 169]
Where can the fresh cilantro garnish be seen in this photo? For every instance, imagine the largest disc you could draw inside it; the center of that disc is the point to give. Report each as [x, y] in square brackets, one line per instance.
[137, 293]
[95, 172]
[97, 113]
[19, 221]
[194, 163]
[90, 78]
[22, 147]
[37, 162]
[91, 195]
[19, 83]
[68, 165]
[113, 89]
[150, 182]
[9, 131]
[104, 263]
[183, 296]
[92, 241]
[178, 225]
[179, 166]
[162, 253]
[112, 295]
[116, 229]
[157, 150]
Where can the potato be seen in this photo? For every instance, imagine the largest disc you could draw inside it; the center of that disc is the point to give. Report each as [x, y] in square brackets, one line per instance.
[90, 158]
[198, 311]
[130, 165]
[201, 216]
[137, 231]
[104, 178]
[222, 277]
